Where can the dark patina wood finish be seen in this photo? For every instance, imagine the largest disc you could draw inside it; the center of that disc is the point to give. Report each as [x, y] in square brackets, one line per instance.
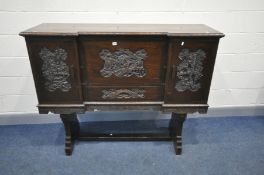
[91, 67]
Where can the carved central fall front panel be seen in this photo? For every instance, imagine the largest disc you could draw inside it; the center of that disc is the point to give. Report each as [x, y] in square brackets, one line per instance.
[123, 63]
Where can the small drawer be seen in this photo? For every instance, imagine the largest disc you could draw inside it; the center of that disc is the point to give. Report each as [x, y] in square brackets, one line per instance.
[117, 93]
[123, 60]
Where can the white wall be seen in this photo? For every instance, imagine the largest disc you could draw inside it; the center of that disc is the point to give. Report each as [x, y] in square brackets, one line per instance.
[238, 78]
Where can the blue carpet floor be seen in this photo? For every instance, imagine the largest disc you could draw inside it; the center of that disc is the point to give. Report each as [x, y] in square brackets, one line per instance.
[211, 146]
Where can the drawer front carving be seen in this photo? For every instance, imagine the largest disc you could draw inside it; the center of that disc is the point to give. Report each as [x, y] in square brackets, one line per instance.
[190, 70]
[131, 60]
[55, 70]
[119, 93]
[55, 66]
[123, 93]
[123, 63]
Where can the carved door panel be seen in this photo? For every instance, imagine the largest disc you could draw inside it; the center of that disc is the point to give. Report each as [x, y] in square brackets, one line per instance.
[55, 68]
[123, 60]
[190, 69]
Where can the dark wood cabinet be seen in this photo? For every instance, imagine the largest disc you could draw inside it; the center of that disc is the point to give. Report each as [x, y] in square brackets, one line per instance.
[87, 67]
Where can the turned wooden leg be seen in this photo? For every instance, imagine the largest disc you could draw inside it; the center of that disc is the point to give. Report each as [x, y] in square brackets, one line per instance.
[72, 128]
[176, 124]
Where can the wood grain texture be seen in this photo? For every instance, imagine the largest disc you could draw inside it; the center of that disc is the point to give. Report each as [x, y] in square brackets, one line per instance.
[68, 29]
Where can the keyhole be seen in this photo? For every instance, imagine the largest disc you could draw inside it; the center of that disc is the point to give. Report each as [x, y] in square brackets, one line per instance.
[182, 43]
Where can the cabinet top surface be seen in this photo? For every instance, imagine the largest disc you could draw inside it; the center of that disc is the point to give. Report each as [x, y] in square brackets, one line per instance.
[75, 29]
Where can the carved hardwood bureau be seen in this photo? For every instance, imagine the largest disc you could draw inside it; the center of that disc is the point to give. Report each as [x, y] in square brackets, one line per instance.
[90, 67]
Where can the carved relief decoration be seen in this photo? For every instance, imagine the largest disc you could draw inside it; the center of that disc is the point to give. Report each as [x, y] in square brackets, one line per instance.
[123, 93]
[123, 63]
[55, 70]
[189, 71]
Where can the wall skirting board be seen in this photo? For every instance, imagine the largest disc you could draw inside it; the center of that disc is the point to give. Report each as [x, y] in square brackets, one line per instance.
[34, 118]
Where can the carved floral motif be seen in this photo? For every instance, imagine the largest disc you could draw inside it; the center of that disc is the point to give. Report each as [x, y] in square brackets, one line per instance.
[123, 63]
[55, 70]
[123, 93]
[189, 71]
